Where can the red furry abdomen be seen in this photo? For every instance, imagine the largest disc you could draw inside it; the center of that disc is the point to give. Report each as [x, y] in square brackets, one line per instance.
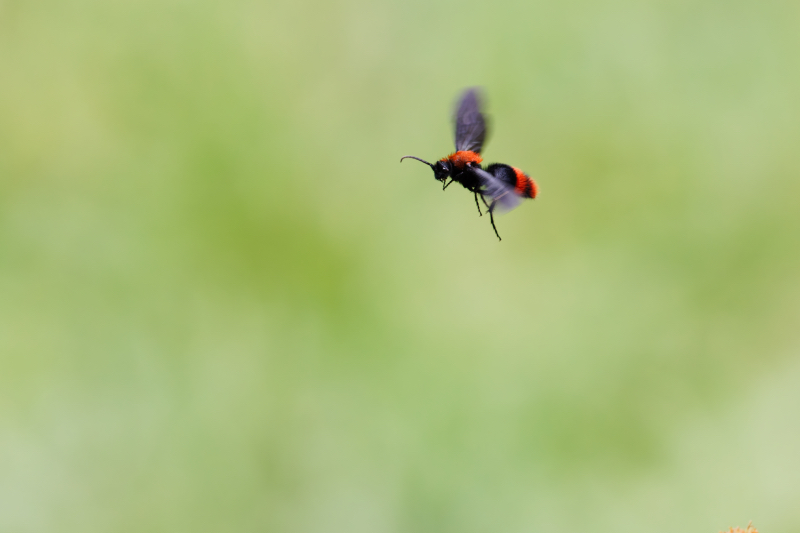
[463, 158]
[526, 187]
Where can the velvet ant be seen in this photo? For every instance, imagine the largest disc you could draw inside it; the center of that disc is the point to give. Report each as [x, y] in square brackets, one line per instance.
[503, 185]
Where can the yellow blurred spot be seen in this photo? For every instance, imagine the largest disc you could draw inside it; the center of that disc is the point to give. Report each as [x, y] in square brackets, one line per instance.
[749, 529]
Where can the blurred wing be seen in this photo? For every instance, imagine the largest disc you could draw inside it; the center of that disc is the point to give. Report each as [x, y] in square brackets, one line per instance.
[470, 122]
[503, 195]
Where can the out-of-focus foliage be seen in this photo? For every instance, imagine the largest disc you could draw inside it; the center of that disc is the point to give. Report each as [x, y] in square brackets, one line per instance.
[225, 306]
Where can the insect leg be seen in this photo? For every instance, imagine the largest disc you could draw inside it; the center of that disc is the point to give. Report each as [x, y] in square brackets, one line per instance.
[477, 204]
[446, 183]
[491, 217]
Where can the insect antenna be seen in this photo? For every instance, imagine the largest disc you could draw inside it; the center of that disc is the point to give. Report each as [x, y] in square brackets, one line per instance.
[417, 158]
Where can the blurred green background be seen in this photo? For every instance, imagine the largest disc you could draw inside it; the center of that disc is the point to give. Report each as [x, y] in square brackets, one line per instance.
[225, 306]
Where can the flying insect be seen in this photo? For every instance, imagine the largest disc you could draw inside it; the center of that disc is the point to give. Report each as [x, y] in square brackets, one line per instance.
[503, 185]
